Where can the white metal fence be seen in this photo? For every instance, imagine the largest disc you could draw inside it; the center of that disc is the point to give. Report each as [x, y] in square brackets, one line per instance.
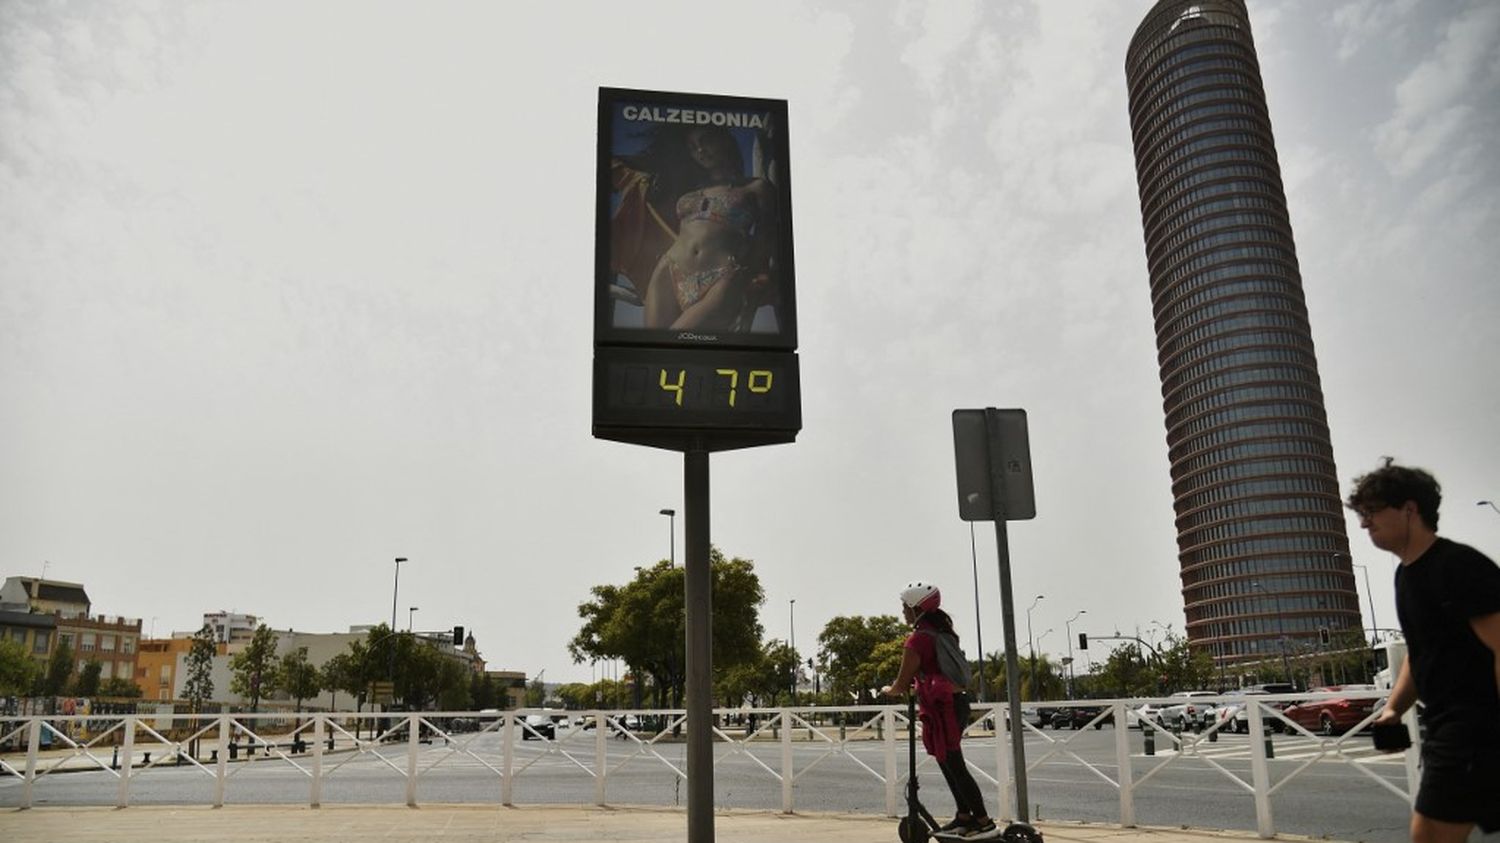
[316, 746]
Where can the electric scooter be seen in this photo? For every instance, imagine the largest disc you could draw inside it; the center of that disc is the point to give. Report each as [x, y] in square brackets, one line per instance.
[918, 826]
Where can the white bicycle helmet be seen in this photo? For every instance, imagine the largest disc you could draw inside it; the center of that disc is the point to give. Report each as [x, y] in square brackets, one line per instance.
[924, 597]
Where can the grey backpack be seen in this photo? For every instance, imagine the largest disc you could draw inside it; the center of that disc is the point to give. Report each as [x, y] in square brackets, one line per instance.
[951, 659]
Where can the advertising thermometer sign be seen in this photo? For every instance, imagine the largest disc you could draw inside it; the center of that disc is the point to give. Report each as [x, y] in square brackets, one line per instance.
[695, 312]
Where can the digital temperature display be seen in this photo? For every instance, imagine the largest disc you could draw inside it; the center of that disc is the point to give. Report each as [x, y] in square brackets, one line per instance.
[697, 390]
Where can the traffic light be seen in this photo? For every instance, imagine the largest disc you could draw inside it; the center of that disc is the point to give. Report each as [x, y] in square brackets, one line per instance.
[458, 636]
[1083, 640]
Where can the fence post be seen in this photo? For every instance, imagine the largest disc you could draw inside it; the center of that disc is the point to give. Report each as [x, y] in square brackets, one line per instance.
[786, 760]
[33, 745]
[126, 761]
[1122, 758]
[887, 719]
[1260, 772]
[508, 731]
[1413, 753]
[222, 773]
[413, 727]
[601, 758]
[1003, 738]
[316, 797]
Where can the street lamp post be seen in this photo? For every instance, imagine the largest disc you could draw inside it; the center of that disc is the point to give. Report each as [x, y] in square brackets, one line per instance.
[395, 587]
[978, 636]
[1068, 631]
[409, 613]
[1374, 631]
[390, 664]
[1490, 504]
[671, 536]
[1286, 666]
[1031, 642]
[792, 640]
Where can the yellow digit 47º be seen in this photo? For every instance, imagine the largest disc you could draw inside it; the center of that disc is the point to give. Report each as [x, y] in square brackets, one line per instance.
[734, 381]
[674, 387]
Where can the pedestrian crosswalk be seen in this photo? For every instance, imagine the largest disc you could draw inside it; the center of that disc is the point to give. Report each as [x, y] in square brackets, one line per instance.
[1295, 747]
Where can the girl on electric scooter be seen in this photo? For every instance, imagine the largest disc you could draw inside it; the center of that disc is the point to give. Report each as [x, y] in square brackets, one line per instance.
[933, 661]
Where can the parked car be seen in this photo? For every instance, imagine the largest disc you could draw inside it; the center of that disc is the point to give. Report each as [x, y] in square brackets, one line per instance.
[1077, 717]
[1331, 717]
[538, 726]
[1239, 709]
[1028, 715]
[1145, 711]
[1189, 710]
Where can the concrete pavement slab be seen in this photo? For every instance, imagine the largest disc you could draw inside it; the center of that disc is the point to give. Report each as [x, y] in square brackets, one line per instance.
[492, 824]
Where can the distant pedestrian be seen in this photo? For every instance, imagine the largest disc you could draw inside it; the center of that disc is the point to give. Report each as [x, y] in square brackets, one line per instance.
[932, 659]
[1448, 600]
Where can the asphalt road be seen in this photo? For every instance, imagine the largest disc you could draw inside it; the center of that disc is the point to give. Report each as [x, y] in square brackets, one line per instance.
[1326, 796]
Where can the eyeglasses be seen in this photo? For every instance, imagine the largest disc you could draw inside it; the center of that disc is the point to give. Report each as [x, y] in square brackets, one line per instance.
[1365, 513]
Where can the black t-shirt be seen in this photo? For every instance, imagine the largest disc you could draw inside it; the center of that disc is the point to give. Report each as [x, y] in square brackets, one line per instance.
[1436, 597]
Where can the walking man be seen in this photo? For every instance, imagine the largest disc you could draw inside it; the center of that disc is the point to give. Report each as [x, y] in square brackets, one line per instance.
[1448, 600]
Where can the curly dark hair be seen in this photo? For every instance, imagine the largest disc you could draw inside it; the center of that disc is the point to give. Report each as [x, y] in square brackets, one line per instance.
[1394, 485]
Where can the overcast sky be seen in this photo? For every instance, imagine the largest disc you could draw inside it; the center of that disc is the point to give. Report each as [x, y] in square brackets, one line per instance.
[288, 290]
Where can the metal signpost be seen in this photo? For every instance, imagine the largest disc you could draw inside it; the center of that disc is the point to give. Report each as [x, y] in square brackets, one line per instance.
[695, 328]
[993, 461]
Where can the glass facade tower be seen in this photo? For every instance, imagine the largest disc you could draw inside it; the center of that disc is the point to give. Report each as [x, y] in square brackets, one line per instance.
[1264, 556]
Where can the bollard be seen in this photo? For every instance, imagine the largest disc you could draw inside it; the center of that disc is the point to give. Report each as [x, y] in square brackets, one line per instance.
[213, 756]
[1270, 749]
[1150, 735]
[234, 750]
[114, 763]
[147, 762]
[842, 735]
[330, 743]
[1213, 736]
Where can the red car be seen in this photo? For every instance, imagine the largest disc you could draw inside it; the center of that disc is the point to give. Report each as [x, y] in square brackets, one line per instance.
[1333, 716]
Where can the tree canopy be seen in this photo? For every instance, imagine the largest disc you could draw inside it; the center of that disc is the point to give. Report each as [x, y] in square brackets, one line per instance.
[253, 669]
[851, 655]
[642, 623]
[199, 686]
[18, 670]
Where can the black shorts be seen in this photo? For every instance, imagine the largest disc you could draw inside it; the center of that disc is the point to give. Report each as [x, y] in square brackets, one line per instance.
[1460, 779]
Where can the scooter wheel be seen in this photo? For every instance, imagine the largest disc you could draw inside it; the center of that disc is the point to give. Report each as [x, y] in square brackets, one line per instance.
[913, 830]
[1021, 833]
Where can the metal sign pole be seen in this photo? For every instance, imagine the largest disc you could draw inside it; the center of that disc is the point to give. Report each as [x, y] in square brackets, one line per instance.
[1007, 611]
[1012, 672]
[698, 592]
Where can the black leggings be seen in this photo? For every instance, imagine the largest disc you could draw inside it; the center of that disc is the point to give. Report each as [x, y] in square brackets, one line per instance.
[966, 793]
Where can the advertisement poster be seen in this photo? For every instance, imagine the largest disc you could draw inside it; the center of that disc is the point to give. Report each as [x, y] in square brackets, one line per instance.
[694, 234]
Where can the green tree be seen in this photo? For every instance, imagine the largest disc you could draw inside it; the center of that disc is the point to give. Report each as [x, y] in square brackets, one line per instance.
[536, 693]
[115, 686]
[297, 676]
[199, 686]
[483, 692]
[576, 695]
[453, 688]
[88, 679]
[760, 681]
[1041, 679]
[848, 652]
[59, 670]
[253, 669]
[1127, 673]
[642, 622]
[341, 673]
[1182, 667]
[18, 670]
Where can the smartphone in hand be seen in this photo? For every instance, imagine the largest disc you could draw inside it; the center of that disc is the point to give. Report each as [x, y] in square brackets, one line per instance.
[1391, 737]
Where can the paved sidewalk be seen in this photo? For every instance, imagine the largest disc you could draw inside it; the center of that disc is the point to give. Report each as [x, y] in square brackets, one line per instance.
[471, 824]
